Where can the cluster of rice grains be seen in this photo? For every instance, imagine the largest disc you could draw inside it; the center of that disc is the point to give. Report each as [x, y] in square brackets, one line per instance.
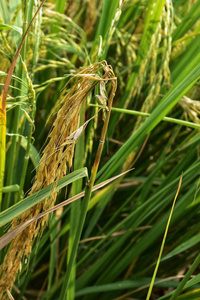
[156, 74]
[56, 159]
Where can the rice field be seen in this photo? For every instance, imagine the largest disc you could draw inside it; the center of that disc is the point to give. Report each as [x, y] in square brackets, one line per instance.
[99, 149]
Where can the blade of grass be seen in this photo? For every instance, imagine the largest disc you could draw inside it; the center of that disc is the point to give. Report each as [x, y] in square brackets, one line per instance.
[10, 27]
[75, 209]
[163, 243]
[52, 259]
[7, 238]
[15, 210]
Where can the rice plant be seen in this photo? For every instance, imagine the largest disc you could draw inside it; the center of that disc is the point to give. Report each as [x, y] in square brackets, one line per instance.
[99, 149]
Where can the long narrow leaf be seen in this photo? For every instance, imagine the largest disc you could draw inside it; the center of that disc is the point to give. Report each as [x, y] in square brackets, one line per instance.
[163, 242]
[8, 237]
[17, 209]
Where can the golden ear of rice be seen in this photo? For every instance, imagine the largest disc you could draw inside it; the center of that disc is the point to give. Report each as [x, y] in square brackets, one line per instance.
[56, 159]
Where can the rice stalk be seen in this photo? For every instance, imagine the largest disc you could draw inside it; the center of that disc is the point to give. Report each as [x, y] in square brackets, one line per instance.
[55, 162]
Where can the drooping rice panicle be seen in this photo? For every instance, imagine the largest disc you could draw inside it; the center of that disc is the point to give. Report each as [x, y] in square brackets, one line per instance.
[55, 162]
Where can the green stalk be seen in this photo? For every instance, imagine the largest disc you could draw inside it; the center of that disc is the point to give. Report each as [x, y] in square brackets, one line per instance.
[11, 188]
[53, 243]
[163, 243]
[13, 154]
[11, 158]
[27, 153]
[86, 199]
[142, 114]
[32, 105]
[36, 40]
